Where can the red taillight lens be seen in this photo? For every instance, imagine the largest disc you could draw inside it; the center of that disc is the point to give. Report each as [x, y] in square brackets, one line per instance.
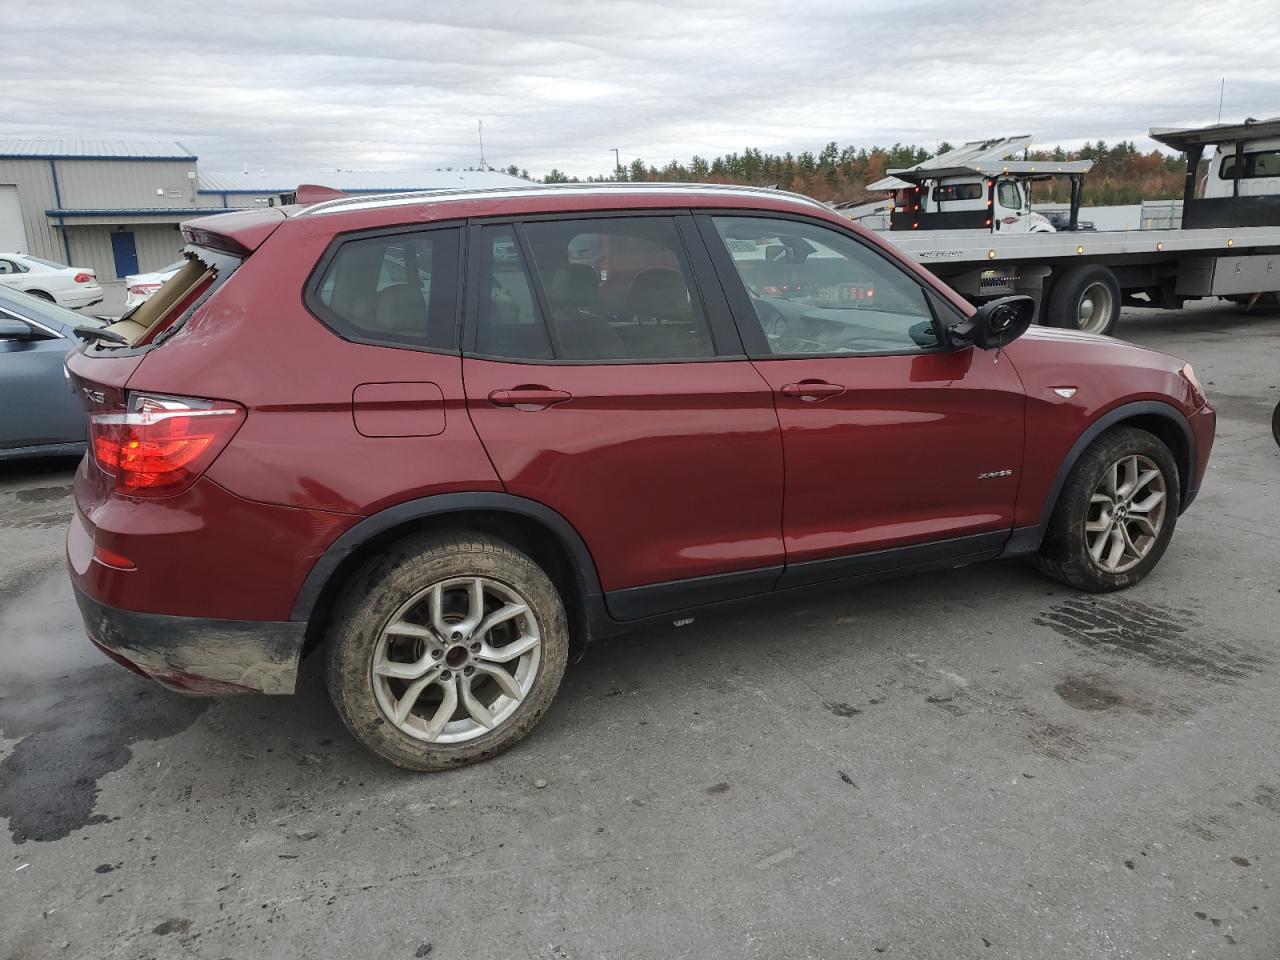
[83, 277]
[162, 444]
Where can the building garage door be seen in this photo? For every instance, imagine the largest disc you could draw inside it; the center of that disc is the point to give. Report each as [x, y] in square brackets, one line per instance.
[13, 239]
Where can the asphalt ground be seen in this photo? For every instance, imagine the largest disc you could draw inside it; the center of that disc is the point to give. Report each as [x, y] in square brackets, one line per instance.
[978, 763]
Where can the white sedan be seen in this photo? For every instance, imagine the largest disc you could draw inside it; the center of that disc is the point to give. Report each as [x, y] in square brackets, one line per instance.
[72, 287]
[139, 287]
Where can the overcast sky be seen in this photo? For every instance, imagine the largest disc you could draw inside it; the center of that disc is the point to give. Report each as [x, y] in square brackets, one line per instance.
[392, 84]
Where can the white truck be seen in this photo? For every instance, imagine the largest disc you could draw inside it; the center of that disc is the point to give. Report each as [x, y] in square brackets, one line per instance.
[1228, 244]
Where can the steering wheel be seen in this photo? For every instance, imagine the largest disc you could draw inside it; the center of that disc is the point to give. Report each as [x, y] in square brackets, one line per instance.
[775, 328]
[772, 321]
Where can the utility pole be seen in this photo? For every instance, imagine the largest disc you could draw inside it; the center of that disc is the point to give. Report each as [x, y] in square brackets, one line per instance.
[617, 164]
[480, 127]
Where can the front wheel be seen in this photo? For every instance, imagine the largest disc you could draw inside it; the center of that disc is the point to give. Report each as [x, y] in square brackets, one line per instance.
[1115, 514]
[446, 651]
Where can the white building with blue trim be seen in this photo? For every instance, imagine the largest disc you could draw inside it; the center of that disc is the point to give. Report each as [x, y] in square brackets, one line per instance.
[115, 206]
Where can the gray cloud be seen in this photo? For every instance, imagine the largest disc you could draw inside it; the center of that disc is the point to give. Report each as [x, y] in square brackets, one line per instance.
[560, 83]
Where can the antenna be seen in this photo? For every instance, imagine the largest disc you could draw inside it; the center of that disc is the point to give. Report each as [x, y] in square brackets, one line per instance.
[480, 127]
[1222, 92]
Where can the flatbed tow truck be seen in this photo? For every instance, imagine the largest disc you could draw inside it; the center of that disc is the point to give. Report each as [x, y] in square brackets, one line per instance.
[1228, 245]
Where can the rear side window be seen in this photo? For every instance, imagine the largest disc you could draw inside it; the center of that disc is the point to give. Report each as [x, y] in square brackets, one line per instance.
[957, 191]
[610, 289]
[400, 289]
[1264, 163]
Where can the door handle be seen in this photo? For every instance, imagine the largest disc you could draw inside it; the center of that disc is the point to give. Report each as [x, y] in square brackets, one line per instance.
[529, 397]
[812, 391]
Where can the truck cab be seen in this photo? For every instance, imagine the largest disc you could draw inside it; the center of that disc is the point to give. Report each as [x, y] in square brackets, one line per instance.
[1259, 169]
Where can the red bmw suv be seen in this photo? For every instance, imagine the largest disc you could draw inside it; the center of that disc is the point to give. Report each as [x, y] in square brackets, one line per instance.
[445, 439]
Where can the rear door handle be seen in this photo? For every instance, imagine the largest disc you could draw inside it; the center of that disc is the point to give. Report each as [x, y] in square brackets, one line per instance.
[529, 397]
[812, 391]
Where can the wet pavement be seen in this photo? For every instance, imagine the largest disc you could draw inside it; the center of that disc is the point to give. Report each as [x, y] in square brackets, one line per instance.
[977, 763]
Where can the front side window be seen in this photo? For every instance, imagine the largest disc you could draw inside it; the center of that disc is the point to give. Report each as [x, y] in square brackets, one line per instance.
[613, 289]
[1010, 195]
[394, 289]
[817, 291]
[1264, 163]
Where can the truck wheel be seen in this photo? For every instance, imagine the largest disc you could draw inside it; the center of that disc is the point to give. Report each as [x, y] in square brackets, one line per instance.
[1085, 297]
[1115, 514]
[446, 650]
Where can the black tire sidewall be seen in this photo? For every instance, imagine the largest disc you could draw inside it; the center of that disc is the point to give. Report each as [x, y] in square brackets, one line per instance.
[1064, 545]
[381, 588]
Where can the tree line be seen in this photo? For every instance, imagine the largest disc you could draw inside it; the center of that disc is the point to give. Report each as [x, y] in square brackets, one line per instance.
[1121, 173]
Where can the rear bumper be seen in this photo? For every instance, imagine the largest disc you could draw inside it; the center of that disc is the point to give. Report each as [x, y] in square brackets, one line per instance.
[81, 296]
[197, 655]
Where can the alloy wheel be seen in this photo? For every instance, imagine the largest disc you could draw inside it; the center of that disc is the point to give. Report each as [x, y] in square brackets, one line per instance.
[456, 660]
[1126, 513]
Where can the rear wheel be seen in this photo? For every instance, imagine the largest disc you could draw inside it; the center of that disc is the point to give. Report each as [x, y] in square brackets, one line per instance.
[1115, 515]
[1085, 297]
[446, 651]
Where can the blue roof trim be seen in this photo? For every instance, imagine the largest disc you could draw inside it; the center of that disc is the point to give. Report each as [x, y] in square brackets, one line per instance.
[274, 190]
[146, 211]
[90, 156]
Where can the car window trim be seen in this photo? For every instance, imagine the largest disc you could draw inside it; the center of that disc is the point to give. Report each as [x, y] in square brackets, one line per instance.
[744, 314]
[725, 338]
[342, 328]
[53, 334]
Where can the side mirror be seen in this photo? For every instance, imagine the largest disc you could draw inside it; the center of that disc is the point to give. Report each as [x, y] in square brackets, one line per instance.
[997, 322]
[11, 329]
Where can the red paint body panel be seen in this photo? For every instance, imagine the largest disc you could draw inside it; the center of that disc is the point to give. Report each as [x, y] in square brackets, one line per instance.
[203, 553]
[667, 470]
[896, 458]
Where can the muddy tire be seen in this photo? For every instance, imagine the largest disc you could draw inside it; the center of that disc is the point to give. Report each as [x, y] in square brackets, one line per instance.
[1115, 514]
[446, 650]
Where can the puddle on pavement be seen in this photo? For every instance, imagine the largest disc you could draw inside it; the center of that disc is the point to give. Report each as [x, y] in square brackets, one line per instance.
[73, 713]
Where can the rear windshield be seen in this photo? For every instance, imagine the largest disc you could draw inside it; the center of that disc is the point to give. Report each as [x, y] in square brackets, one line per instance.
[46, 263]
[199, 273]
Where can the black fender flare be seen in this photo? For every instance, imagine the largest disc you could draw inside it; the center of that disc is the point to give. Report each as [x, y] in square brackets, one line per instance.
[440, 505]
[1109, 419]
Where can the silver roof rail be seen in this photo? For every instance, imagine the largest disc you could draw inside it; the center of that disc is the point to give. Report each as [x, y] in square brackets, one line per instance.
[543, 189]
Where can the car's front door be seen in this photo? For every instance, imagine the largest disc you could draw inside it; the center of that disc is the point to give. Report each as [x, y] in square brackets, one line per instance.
[898, 450]
[622, 400]
[37, 403]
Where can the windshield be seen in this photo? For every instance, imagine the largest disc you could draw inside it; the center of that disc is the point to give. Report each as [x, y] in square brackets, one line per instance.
[33, 308]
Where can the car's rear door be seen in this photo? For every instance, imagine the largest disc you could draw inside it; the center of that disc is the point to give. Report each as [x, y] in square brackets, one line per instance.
[898, 450]
[627, 407]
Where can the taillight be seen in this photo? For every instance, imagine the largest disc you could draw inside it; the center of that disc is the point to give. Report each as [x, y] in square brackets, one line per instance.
[160, 444]
[138, 289]
[83, 277]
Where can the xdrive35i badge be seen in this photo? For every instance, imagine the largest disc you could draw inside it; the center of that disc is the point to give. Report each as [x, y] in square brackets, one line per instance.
[995, 473]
